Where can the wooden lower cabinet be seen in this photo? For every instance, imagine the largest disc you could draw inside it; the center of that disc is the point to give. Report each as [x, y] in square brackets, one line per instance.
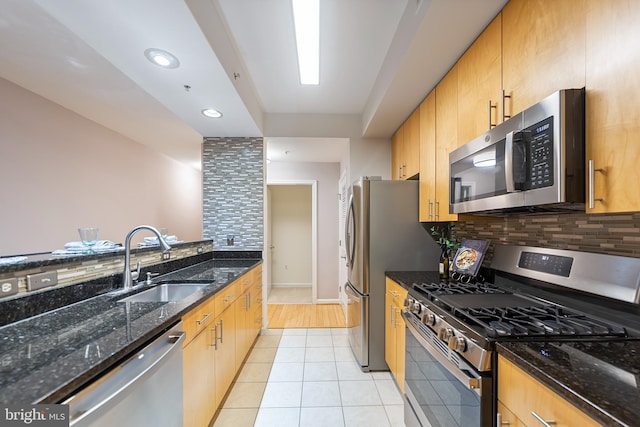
[220, 333]
[394, 331]
[225, 353]
[198, 378]
[520, 396]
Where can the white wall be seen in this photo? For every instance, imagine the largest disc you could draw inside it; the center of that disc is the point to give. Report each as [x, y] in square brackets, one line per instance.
[291, 228]
[369, 157]
[60, 171]
[327, 175]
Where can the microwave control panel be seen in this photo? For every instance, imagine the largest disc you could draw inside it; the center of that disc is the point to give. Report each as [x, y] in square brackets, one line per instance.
[541, 154]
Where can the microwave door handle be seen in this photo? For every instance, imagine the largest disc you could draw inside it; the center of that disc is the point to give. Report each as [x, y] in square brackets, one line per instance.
[508, 163]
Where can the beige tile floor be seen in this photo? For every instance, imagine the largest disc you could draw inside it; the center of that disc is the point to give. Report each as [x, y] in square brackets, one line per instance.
[309, 377]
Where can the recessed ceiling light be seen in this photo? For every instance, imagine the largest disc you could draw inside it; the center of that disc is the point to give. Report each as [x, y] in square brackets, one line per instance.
[306, 18]
[211, 113]
[162, 58]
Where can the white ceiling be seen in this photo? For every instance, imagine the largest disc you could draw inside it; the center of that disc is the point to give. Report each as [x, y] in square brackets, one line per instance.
[379, 58]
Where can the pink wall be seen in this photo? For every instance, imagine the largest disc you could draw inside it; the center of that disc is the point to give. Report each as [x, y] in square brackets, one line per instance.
[60, 171]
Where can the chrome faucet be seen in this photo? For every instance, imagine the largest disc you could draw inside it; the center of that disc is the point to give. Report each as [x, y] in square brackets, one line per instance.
[127, 278]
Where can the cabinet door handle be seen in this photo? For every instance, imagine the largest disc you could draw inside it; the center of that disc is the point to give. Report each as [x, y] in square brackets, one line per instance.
[436, 208]
[504, 108]
[206, 316]
[215, 336]
[391, 314]
[592, 172]
[429, 214]
[221, 331]
[491, 107]
[500, 422]
[545, 423]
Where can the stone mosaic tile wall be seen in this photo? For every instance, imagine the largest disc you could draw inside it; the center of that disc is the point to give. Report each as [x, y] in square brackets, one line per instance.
[615, 234]
[83, 271]
[233, 189]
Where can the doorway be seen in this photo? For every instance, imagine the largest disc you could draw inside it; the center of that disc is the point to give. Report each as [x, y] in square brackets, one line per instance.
[291, 242]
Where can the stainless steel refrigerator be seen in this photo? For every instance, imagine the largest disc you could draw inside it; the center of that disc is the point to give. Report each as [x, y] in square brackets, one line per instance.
[382, 233]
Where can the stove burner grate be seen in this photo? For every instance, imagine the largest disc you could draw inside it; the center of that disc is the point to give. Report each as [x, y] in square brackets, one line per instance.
[454, 288]
[538, 321]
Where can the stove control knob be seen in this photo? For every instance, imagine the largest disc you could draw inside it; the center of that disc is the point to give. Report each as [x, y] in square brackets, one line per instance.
[416, 307]
[458, 344]
[428, 319]
[445, 333]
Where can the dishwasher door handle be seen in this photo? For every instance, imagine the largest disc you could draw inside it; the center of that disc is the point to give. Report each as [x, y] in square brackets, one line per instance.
[116, 384]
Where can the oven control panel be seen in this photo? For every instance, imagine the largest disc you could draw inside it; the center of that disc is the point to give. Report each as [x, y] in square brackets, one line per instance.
[546, 263]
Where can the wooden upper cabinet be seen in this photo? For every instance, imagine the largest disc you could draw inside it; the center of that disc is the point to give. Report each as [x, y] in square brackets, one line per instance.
[428, 157]
[543, 49]
[411, 145]
[613, 104]
[405, 148]
[446, 140]
[396, 156]
[480, 84]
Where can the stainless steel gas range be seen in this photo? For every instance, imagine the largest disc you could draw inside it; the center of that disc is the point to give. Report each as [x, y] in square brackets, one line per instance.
[536, 294]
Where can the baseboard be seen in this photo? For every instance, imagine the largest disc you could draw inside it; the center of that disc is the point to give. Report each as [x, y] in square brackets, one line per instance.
[328, 301]
[291, 285]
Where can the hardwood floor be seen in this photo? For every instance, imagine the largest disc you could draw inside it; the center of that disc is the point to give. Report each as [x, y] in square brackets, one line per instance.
[305, 316]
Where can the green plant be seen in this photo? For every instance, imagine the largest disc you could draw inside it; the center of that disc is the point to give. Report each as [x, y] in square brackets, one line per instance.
[443, 235]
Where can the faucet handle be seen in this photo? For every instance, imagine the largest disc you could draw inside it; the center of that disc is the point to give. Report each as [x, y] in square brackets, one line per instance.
[136, 273]
[149, 276]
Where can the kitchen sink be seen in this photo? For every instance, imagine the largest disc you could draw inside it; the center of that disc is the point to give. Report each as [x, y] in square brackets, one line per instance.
[166, 292]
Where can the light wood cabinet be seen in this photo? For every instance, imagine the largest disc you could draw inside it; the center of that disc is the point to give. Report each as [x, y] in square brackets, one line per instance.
[428, 158]
[446, 141]
[219, 334]
[522, 396]
[405, 149]
[225, 352]
[396, 154]
[480, 84]
[248, 313]
[394, 331]
[543, 50]
[198, 365]
[198, 380]
[613, 104]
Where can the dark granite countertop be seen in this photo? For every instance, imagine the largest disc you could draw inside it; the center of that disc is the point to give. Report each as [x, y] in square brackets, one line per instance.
[45, 358]
[600, 378]
[407, 278]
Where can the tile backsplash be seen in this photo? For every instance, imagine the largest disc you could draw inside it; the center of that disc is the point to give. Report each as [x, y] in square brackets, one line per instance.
[614, 234]
[233, 193]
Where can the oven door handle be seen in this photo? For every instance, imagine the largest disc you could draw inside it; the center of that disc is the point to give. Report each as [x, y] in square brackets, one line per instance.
[467, 377]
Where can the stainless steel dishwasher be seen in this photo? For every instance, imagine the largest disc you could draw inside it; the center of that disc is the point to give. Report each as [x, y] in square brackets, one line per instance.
[145, 390]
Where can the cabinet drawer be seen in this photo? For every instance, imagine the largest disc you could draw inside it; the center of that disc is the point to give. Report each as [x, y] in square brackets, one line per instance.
[523, 395]
[227, 296]
[197, 319]
[245, 282]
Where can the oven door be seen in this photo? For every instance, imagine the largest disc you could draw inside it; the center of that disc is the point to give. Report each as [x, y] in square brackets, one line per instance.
[441, 388]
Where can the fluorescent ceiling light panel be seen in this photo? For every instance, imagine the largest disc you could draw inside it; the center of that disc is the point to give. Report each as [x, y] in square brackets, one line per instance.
[306, 18]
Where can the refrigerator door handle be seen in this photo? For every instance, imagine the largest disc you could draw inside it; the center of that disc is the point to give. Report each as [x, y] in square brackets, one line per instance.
[350, 289]
[350, 235]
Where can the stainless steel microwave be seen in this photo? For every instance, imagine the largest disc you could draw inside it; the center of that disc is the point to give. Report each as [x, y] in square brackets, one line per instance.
[532, 162]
